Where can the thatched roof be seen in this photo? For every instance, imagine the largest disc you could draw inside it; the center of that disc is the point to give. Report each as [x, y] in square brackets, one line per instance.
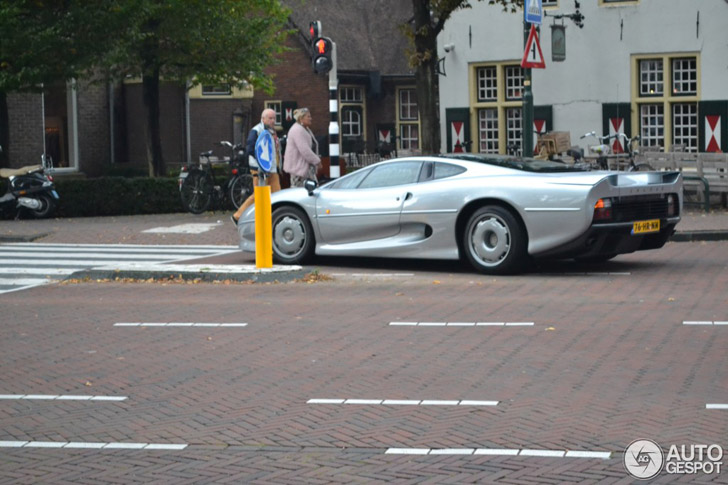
[367, 33]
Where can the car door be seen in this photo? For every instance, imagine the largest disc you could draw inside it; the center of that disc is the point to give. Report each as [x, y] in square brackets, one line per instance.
[367, 205]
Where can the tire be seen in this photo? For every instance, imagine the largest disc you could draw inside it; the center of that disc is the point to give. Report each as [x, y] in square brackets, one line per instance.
[196, 192]
[641, 167]
[240, 189]
[293, 238]
[494, 242]
[48, 205]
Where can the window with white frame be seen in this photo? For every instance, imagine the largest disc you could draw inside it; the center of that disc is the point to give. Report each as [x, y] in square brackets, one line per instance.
[409, 137]
[497, 97]
[514, 118]
[666, 103]
[408, 117]
[550, 3]
[277, 107]
[351, 94]
[685, 126]
[488, 130]
[216, 90]
[350, 122]
[487, 83]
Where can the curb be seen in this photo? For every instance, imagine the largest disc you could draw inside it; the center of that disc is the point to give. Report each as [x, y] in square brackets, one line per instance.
[699, 236]
[191, 272]
[23, 238]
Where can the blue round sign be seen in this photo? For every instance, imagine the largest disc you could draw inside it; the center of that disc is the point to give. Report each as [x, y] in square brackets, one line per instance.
[265, 151]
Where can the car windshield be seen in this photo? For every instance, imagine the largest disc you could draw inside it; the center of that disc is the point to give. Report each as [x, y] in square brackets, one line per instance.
[517, 163]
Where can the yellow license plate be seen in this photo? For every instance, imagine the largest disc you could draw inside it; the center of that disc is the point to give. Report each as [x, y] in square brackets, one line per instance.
[643, 227]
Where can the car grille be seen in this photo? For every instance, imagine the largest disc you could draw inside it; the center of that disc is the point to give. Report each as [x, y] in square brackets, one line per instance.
[639, 207]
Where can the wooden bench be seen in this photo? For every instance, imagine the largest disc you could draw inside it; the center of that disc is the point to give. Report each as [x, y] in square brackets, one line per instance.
[714, 168]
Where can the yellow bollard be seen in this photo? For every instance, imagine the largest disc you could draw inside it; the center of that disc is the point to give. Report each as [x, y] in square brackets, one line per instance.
[263, 228]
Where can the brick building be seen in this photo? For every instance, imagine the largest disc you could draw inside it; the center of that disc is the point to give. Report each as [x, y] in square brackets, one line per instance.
[94, 129]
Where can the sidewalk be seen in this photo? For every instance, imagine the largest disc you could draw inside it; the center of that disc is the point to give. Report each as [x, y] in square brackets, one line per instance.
[215, 228]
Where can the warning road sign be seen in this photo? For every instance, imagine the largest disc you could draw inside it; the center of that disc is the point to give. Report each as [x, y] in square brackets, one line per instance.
[532, 56]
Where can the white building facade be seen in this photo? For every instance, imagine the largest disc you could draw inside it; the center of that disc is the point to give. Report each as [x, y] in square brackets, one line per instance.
[654, 68]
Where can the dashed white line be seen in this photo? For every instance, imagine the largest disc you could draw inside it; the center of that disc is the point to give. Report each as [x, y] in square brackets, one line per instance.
[461, 324]
[716, 406]
[405, 402]
[178, 324]
[62, 397]
[92, 445]
[703, 322]
[602, 455]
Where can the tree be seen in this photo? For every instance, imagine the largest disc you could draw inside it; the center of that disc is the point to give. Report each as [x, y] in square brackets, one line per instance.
[198, 41]
[45, 42]
[202, 41]
[428, 21]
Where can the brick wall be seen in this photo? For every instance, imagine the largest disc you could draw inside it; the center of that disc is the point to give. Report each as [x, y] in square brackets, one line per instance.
[93, 128]
[212, 122]
[25, 118]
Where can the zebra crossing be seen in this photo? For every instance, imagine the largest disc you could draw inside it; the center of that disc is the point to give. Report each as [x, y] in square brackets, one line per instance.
[27, 265]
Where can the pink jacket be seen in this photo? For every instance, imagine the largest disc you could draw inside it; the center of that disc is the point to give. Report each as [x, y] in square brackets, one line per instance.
[299, 154]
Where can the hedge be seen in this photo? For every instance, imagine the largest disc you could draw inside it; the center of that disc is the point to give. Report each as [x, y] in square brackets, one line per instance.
[113, 196]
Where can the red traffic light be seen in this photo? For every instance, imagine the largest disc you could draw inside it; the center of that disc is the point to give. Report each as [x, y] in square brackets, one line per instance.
[321, 58]
[322, 46]
[314, 30]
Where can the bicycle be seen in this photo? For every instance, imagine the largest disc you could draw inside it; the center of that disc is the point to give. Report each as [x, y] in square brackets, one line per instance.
[603, 153]
[197, 183]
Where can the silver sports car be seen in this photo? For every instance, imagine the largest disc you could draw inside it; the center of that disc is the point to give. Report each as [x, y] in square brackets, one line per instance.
[499, 213]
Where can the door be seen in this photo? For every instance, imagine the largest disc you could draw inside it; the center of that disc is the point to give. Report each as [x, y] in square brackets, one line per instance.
[366, 205]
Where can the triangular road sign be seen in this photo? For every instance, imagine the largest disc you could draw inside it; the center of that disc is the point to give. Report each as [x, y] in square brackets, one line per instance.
[532, 55]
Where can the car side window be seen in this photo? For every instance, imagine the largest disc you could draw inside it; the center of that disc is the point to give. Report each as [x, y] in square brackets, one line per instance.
[351, 181]
[444, 170]
[391, 174]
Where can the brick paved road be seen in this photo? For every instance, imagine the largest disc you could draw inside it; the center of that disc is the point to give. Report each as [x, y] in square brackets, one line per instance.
[606, 361]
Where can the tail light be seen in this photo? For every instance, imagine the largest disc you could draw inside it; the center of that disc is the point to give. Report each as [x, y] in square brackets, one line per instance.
[602, 210]
[235, 171]
[49, 177]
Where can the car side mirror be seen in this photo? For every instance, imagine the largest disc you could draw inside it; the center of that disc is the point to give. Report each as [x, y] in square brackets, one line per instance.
[310, 186]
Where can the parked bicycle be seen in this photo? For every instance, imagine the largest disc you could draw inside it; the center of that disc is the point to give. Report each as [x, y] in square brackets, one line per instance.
[603, 153]
[198, 186]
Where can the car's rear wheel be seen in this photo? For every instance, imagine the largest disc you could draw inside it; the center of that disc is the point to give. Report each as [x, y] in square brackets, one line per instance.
[293, 239]
[494, 241]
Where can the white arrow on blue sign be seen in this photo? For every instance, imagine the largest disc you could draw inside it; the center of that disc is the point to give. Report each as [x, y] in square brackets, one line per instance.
[533, 11]
[264, 151]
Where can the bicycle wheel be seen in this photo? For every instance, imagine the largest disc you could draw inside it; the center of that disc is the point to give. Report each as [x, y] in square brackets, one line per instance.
[240, 189]
[196, 192]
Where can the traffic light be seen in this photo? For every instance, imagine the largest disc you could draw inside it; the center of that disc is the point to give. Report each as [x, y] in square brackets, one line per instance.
[322, 55]
[314, 30]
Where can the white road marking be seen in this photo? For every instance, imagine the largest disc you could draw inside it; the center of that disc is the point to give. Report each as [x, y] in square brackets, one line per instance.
[716, 406]
[703, 322]
[178, 324]
[25, 281]
[602, 455]
[192, 228]
[405, 402]
[61, 397]
[93, 445]
[378, 275]
[461, 324]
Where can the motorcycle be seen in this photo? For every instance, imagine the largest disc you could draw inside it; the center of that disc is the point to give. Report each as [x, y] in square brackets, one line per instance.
[29, 191]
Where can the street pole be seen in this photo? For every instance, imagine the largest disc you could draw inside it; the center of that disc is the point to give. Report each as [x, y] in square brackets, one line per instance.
[527, 144]
[334, 171]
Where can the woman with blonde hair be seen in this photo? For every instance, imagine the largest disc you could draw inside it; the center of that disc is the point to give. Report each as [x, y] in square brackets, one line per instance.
[301, 159]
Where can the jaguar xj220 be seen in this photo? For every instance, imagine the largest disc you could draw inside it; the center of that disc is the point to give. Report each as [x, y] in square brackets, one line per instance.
[498, 213]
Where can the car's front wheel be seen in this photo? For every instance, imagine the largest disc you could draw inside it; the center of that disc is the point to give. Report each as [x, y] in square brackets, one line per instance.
[293, 239]
[494, 241]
